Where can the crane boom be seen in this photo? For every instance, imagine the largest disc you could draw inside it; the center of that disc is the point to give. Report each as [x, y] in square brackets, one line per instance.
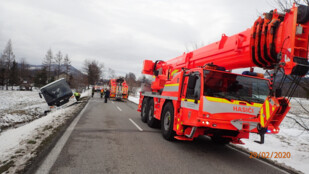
[275, 41]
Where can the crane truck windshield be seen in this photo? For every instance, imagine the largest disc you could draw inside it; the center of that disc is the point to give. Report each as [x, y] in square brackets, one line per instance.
[235, 87]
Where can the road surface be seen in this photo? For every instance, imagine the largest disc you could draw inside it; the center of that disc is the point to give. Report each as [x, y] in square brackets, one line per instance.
[111, 138]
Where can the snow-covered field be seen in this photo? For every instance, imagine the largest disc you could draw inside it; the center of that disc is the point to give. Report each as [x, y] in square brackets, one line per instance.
[18, 145]
[19, 107]
[292, 138]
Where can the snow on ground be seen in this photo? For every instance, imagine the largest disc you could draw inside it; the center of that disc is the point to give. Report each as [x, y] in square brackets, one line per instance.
[19, 107]
[133, 99]
[18, 144]
[292, 138]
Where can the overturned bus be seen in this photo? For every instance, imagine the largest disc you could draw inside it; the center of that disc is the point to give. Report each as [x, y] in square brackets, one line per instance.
[56, 93]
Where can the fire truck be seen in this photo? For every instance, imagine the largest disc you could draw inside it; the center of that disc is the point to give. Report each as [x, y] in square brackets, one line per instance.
[118, 89]
[197, 94]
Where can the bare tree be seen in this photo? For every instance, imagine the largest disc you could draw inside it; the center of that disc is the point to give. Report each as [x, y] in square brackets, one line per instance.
[24, 72]
[2, 72]
[58, 61]
[13, 76]
[283, 5]
[131, 80]
[111, 73]
[48, 61]
[67, 64]
[7, 57]
[93, 69]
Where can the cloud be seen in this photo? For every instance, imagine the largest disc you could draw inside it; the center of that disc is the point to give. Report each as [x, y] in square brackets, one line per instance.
[120, 33]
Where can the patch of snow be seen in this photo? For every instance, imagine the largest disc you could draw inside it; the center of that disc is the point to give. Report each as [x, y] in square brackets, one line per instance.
[22, 141]
[10, 140]
[134, 99]
[20, 106]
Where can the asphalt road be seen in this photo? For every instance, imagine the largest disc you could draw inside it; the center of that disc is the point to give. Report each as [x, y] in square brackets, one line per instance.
[106, 140]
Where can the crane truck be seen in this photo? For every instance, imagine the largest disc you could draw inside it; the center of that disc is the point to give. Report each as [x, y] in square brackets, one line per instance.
[197, 94]
[119, 89]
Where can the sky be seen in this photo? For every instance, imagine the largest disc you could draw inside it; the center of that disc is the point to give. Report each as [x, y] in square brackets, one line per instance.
[121, 33]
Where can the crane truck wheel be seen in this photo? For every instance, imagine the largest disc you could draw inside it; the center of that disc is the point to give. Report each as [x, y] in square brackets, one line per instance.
[167, 122]
[145, 109]
[151, 121]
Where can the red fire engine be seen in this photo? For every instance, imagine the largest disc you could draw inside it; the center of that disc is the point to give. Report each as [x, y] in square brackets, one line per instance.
[197, 94]
[118, 89]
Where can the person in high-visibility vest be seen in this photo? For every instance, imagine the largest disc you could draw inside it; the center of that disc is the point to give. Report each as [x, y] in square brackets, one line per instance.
[102, 92]
[77, 95]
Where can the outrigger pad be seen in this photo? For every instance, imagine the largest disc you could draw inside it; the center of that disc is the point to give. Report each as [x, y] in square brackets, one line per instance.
[261, 140]
[262, 132]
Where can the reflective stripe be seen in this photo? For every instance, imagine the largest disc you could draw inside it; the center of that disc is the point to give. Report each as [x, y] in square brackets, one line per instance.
[190, 105]
[226, 106]
[190, 100]
[267, 109]
[175, 84]
[175, 71]
[262, 118]
[222, 100]
[171, 87]
[150, 94]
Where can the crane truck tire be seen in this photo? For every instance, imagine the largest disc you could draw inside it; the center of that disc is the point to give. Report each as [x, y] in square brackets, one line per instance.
[167, 122]
[151, 121]
[144, 111]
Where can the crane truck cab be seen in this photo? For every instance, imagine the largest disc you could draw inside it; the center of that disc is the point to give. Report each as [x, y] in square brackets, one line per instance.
[201, 101]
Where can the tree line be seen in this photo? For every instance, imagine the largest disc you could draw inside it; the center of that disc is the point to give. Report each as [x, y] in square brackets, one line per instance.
[14, 73]
[10, 72]
[54, 66]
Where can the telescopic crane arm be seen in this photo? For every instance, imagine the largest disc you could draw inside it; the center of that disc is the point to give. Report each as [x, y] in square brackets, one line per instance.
[274, 41]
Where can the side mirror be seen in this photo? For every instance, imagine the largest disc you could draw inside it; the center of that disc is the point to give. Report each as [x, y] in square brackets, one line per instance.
[40, 95]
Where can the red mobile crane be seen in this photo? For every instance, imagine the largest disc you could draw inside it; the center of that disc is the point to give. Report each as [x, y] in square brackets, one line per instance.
[196, 94]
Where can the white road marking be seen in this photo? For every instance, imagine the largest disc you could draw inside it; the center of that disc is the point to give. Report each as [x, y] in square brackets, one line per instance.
[112, 102]
[139, 128]
[119, 108]
[54, 153]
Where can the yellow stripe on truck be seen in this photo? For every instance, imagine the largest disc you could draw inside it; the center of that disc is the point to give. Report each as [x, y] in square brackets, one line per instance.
[175, 71]
[190, 100]
[262, 118]
[267, 109]
[175, 84]
[222, 100]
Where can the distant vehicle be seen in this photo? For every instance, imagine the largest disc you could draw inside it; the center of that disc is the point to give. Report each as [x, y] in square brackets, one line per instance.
[56, 93]
[98, 87]
[118, 89]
